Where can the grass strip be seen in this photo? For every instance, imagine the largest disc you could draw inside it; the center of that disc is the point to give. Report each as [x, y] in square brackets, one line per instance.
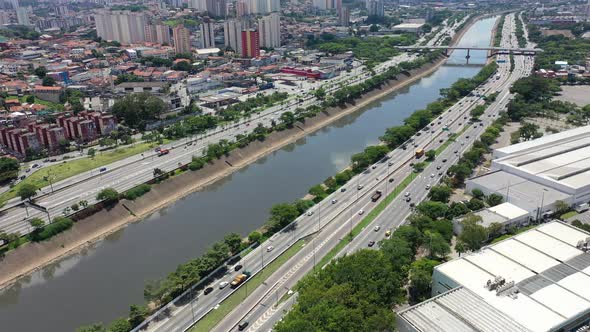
[74, 167]
[568, 215]
[208, 322]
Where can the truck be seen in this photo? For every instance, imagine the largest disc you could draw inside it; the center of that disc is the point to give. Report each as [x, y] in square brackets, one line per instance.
[376, 195]
[419, 153]
[239, 279]
[163, 152]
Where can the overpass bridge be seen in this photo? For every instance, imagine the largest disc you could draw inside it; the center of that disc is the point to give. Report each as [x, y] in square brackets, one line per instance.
[492, 51]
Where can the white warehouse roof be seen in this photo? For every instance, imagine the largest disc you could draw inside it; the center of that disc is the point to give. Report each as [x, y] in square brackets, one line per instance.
[509, 210]
[546, 277]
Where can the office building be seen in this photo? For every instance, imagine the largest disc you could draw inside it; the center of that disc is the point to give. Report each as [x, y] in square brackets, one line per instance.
[158, 33]
[182, 42]
[269, 28]
[250, 44]
[22, 16]
[207, 38]
[123, 26]
[534, 281]
[375, 8]
[232, 32]
[200, 5]
[343, 16]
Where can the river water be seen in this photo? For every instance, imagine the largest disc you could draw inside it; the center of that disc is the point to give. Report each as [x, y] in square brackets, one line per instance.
[99, 283]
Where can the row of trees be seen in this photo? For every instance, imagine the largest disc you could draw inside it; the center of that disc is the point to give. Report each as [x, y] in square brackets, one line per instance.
[498, 33]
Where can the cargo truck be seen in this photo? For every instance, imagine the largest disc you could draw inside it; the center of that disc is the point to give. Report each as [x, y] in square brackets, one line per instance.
[376, 196]
[239, 279]
[163, 152]
[419, 153]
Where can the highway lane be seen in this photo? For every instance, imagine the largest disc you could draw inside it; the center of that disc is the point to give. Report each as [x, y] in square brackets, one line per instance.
[399, 209]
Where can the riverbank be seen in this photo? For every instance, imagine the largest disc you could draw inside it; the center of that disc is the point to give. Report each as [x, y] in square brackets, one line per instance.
[33, 256]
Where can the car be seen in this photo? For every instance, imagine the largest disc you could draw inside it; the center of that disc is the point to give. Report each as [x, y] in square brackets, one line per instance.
[439, 122]
[377, 228]
[462, 143]
[432, 131]
[102, 169]
[408, 199]
[427, 186]
[432, 175]
[440, 117]
[391, 180]
[269, 248]
[342, 189]
[412, 204]
[390, 163]
[438, 167]
[388, 233]
[440, 173]
[416, 145]
[243, 326]
[22, 177]
[238, 267]
[359, 187]
[404, 147]
[28, 170]
[407, 194]
[371, 243]
[456, 151]
[35, 165]
[361, 211]
[310, 213]
[467, 136]
[481, 124]
[460, 123]
[223, 284]
[418, 133]
[207, 290]
[411, 164]
[374, 166]
[334, 201]
[464, 118]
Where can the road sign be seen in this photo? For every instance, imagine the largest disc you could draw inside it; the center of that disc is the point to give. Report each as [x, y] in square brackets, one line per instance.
[36, 206]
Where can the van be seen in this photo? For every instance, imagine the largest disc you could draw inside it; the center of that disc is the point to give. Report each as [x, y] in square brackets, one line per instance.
[243, 326]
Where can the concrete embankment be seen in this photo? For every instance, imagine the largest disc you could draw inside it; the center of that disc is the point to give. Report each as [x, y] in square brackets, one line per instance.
[33, 256]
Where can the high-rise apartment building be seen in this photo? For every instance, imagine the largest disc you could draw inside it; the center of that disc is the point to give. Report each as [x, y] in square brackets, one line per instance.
[182, 41]
[269, 29]
[320, 4]
[4, 17]
[22, 16]
[232, 32]
[250, 44]
[207, 39]
[158, 33]
[343, 16]
[200, 5]
[375, 8]
[263, 6]
[123, 26]
[216, 8]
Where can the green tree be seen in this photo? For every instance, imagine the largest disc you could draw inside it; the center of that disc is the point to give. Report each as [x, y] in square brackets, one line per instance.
[419, 167]
[288, 118]
[457, 209]
[561, 207]
[48, 81]
[495, 229]
[529, 131]
[8, 169]
[37, 223]
[233, 241]
[120, 325]
[254, 237]
[430, 155]
[30, 99]
[26, 191]
[109, 195]
[75, 207]
[475, 204]
[282, 214]
[40, 71]
[477, 193]
[320, 93]
[137, 314]
[432, 209]
[91, 152]
[440, 193]
[92, 328]
[473, 235]
[436, 245]
[137, 109]
[494, 199]
[421, 279]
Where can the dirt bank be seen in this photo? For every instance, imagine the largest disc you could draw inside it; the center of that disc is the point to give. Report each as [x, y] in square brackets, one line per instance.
[33, 256]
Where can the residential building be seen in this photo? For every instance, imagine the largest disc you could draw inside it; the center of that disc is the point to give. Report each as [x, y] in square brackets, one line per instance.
[263, 6]
[344, 16]
[533, 281]
[241, 8]
[232, 32]
[269, 28]
[158, 33]
[250, 43]
[375, 8]
[123, 26]
[200, 5]
[22, 16]
[182, 43]
[50, 93]
[207, 38]
[4, 17]
[320, 4]
[216, 8]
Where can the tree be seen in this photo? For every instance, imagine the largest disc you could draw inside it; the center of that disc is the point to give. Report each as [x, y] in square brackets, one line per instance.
[158, 172]
[421, 279]
[75, 207]
[419, 167]
[529, 131]
[475, 204]
[440, 193]
[120, 325]
[92, 328]
[373, 28]
[561, 207]
[8, 169]
[137, 109]
[477, 193]
[288, 118]
[26, 191]
[48, 81]
[37, 223]
[430, 155]
[457, 209]
[254, 237]
[40, 71]
[91, 152]
[495, 229]
[494, 199]
[109, 195]
[473, 235]
[433, 209]
[83, 203]
[282, 214]
[137, 314]
[30, 99]
[319, 93]
[437, 246]
[233, 241]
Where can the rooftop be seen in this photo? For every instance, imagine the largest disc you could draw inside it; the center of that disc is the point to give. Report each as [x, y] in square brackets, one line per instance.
[546, 281]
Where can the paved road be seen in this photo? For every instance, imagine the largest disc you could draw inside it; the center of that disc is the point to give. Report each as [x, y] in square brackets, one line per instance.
[259, 309]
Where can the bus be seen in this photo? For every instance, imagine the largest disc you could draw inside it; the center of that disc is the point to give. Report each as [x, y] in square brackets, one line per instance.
[419, 153]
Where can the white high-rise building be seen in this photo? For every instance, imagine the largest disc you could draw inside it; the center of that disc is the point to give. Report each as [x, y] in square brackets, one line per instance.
[200, 5]
[232, 32]
[123, 26]
[263, 6]
[207, 39]
[269, 28]
[375, 8]
[22, 16]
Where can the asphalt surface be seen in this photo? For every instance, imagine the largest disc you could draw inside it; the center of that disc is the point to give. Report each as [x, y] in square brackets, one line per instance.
[260, 309]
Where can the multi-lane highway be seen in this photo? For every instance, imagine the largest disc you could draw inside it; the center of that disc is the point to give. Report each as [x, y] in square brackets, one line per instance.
[259, 309]
[129, 172]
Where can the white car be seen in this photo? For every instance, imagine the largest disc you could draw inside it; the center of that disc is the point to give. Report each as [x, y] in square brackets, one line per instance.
[432, 175]
[377, 228]
[269, 248]
[310, 213]
[223, 284]
[427, 186]
[334, 201]
[360, 186]
[407, 194]
[361, 211]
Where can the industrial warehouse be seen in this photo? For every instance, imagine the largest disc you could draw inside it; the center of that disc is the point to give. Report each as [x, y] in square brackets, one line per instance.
[534, 281]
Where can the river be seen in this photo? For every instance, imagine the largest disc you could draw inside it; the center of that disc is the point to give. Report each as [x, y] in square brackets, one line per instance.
[99, 283]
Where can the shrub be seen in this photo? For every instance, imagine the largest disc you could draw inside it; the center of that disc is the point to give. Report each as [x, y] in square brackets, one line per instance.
[138, 191]
[59, 225]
